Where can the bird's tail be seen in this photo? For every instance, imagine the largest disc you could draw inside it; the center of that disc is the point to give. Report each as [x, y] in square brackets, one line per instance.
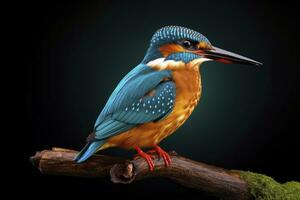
[88, 150]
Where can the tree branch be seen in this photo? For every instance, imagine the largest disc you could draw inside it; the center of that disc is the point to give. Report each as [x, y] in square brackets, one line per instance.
[59, 161]
[213, 180]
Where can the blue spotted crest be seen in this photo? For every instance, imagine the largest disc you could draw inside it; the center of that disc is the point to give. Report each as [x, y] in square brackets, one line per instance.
[168, 35]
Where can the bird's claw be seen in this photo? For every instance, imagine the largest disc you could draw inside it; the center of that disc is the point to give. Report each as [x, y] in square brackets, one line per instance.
[161, 154]
[147, 157]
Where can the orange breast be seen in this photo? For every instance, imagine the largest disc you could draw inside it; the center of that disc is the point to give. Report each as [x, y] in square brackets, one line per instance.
[188, 92]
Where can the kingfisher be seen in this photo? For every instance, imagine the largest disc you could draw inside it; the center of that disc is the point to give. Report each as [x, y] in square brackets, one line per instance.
[158, 95]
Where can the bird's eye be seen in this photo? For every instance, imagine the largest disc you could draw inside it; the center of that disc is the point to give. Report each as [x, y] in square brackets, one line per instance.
[189, 45]
[186, 44]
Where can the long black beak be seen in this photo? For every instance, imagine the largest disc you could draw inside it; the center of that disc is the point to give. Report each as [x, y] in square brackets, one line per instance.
[224, 56]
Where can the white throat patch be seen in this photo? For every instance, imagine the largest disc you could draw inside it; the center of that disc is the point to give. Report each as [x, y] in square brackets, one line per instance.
[161, 63]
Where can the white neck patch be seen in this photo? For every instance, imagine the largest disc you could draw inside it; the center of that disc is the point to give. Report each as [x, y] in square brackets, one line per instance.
[161, 63]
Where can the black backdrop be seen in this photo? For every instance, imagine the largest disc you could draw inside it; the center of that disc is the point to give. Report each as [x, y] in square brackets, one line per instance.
[72, 55]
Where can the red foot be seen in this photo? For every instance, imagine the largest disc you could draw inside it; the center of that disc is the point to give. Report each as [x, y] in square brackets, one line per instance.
[147, 157]
[162, 154]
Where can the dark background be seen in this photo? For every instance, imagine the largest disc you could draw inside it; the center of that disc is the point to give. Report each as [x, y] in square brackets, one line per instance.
[74, 53]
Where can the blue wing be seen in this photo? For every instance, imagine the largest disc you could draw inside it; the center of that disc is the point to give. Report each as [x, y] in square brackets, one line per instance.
[142, 96]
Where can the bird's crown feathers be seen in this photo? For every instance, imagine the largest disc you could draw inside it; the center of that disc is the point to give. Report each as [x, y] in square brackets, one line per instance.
[171, 33]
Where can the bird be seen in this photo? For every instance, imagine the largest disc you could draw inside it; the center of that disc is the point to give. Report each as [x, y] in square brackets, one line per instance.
[157, 96]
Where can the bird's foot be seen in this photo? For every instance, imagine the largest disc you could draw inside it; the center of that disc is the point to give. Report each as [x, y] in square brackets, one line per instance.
[162, 154]
[147, 157]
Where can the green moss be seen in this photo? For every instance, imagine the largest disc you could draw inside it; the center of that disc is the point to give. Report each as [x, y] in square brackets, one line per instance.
[263, 187]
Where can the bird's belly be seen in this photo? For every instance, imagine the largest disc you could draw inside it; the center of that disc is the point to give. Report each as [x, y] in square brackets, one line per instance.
[149, 134]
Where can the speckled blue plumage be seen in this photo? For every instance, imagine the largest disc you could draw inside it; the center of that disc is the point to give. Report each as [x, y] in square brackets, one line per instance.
[137, 107]
[131, 88]
[173, 33]
[129, 105]
[149, 108]
[169, 34]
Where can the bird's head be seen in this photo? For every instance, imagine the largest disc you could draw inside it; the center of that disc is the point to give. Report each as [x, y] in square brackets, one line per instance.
[183, 45]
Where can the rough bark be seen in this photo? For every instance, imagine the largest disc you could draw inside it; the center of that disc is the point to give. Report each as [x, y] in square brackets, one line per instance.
[213, 180]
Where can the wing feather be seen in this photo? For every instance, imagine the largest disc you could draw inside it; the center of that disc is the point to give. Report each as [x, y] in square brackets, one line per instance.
[129, 105]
